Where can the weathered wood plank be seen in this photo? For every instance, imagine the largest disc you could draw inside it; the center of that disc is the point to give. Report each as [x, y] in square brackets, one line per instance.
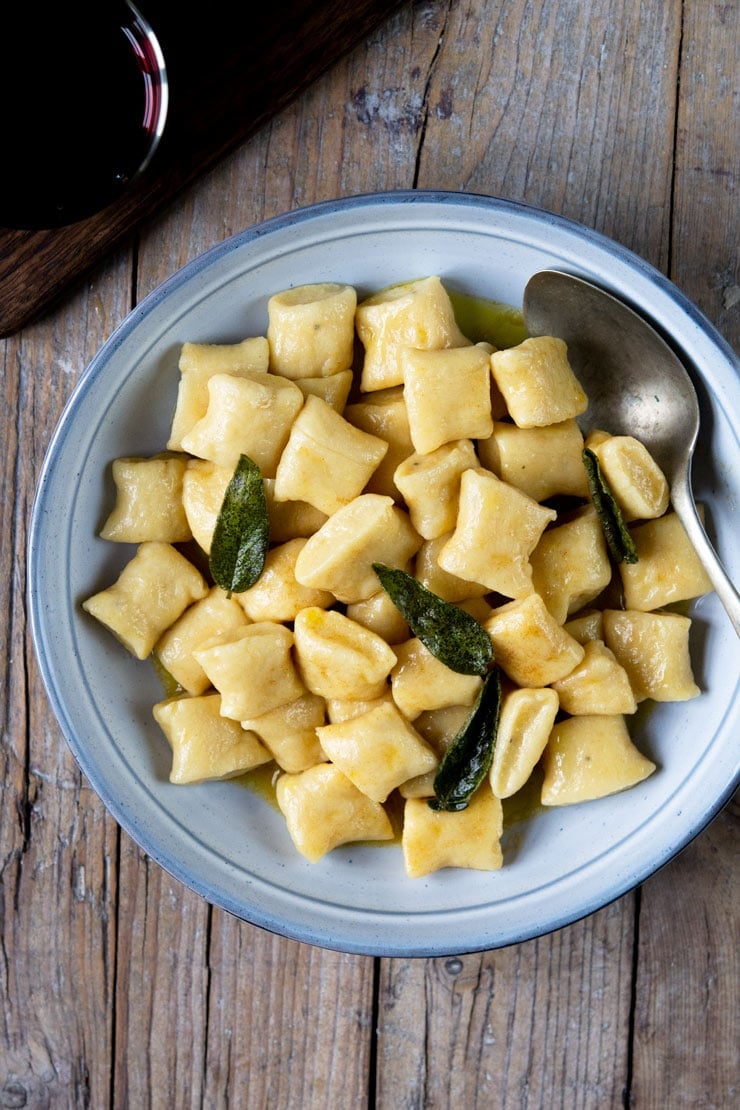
[558, 104]
[705, 257]
[57, 843]
[542, 1024]
[161, 1005]
[688, 1013]
[354, 131]
[687, 1016]
[289, 1025]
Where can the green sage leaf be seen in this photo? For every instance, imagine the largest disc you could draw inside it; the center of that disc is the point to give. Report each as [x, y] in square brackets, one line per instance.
[449, 633]
[617, 535]
[242, 535]
[468, 759]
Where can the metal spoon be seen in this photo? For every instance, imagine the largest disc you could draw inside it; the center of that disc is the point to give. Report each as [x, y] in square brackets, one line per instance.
[636, 386]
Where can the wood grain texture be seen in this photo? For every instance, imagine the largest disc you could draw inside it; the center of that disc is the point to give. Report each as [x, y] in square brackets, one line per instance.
[555, 105]
[289, 1025]
[705, 257]
[542, 1024]
[124, 989]
[688, 1014]
[58, 845]
[162, 977]
[687, 968]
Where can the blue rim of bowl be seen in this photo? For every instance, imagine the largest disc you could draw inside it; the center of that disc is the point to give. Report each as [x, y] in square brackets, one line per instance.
[148, 304]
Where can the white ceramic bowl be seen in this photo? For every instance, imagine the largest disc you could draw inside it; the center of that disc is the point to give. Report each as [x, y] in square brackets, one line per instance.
[229, 844]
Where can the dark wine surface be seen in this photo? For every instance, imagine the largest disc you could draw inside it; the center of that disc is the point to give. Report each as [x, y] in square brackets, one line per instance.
[80, 99]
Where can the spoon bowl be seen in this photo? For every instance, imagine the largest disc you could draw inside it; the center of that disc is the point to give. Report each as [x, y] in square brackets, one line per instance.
[636, 385]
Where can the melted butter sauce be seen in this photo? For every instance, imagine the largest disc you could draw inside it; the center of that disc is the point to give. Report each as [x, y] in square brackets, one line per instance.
[526, 803]
[261, 781]
[483, 320]
[171, 687]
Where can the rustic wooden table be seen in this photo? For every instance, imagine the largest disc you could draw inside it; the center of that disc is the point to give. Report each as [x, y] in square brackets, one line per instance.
[120, 987]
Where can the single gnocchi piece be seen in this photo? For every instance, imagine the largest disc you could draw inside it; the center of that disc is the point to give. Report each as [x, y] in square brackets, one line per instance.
[411, 314]
[538, 383]
[590, 757]
[451, 587]
[419, 681]
[290, 520]
[380, 615]
[377, 750]
[148, 501]
[634, 477]
[525, 723]
[154, 588]
[599, 684]
[245, 356]
[571, 565]
[438, 727]
[289, 732]
[338, 658]
[541, 462]
[252, 668]
[326, 461]
[198, 363]
[529, 644]
[323, 810]
[653, 648]
[470, 838]
[214, 615]
[340, 556]
[334, 390]
[203, 491]
[344, 709]
[479, 608]
[246, 415]
[667, 568]
[277, 595]
[447, 395]
[206, 745]
[497, 529]
[430, 486]
[311, 330]
[383, 414]
[585, 626]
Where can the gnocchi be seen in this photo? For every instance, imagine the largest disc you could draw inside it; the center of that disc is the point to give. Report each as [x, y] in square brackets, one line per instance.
[384, 435]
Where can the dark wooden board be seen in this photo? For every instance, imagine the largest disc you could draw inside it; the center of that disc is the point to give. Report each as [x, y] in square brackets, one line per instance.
[229, 71]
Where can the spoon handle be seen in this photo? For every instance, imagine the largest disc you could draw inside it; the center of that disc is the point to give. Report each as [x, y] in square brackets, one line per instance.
[685, 507]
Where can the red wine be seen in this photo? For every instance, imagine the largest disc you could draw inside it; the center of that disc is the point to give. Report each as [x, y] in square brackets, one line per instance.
[82, 107]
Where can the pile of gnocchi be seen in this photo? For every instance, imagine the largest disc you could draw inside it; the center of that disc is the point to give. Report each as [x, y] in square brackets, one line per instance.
[384, 435]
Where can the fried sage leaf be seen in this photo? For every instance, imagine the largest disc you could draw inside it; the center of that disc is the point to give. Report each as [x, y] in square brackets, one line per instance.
[242, 534]
[618, 539]
[449, 633]
[468, 759]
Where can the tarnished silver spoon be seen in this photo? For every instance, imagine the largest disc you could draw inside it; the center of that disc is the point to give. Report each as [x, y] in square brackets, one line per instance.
[636, 386]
